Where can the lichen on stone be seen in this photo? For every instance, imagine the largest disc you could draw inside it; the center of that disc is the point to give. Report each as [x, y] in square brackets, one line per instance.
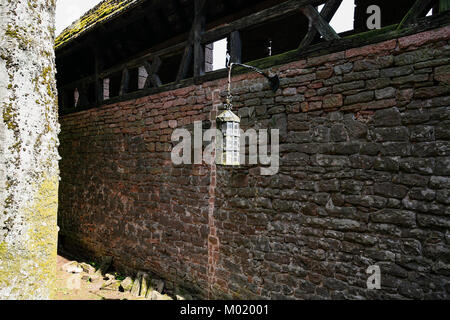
[99, 14]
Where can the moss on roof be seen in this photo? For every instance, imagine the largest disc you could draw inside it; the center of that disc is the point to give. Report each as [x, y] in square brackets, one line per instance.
[102, 12]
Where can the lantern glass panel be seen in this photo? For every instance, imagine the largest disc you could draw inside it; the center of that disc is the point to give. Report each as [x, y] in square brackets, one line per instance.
[229, 157]
[231, 142]
[235, 157]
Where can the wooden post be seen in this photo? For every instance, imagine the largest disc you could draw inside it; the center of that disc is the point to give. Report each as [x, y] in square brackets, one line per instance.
[98, 81]
[193, 35]
[199, 50]
[83, 100]
[125, 82]
[235, 47]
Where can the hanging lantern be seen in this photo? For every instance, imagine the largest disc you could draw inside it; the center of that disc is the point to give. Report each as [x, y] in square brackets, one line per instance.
[228, 123]
[229, 152]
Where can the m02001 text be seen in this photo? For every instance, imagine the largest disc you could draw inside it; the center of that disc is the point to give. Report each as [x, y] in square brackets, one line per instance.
[246, 309]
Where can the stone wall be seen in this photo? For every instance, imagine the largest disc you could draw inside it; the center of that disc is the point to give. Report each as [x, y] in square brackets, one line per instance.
[364, 179]
[28, 150]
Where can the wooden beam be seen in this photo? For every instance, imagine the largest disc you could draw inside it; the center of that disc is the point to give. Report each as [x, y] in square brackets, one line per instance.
[315, 50]
[419, 7]
[277, 11]
[208, 37]
[327, 14]
[152, 71]
[185, 62]
[235, 47]
[199, 50]
[98, 65]
[124, 84]
[136, 62]
[319, 23]
[188, 51]
[83, 100]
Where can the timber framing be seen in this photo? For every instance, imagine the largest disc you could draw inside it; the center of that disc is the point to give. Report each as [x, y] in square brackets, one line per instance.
[419, 7]
[192, 48]
[193, 44]
[327, 14]
[152, 71]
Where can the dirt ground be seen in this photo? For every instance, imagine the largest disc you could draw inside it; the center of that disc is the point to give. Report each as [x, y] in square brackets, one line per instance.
[72, 287]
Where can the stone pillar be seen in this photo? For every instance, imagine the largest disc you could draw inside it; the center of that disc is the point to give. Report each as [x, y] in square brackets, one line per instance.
[28, 150]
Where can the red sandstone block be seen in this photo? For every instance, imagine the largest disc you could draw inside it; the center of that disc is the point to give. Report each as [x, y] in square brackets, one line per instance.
[198, 106]
[332, 101]
[289, 92]
[151, 147]
[143, 100]
[154, 127]
[173, 123]
[295, 108]
[405, 95]
[184, 121]
[310, 93]
[179, 102]
[164, 124]
[311, 106]
[316, 85]
[373, 105]
[302, 89]
[419, 39]
[305, 106]
[442, 74]
[184, 91]
[372, 49]
[168, 104]
[292, 67]
[200, 117]
[316, 61]
[324, 74]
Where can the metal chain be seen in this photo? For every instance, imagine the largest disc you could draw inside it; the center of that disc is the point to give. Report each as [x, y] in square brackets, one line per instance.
[229, 105]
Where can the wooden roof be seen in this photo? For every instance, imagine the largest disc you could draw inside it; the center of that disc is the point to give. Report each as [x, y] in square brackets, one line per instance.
[101, 13]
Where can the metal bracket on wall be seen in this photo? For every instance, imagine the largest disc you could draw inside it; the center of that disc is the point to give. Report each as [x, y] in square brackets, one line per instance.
[274, 80]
